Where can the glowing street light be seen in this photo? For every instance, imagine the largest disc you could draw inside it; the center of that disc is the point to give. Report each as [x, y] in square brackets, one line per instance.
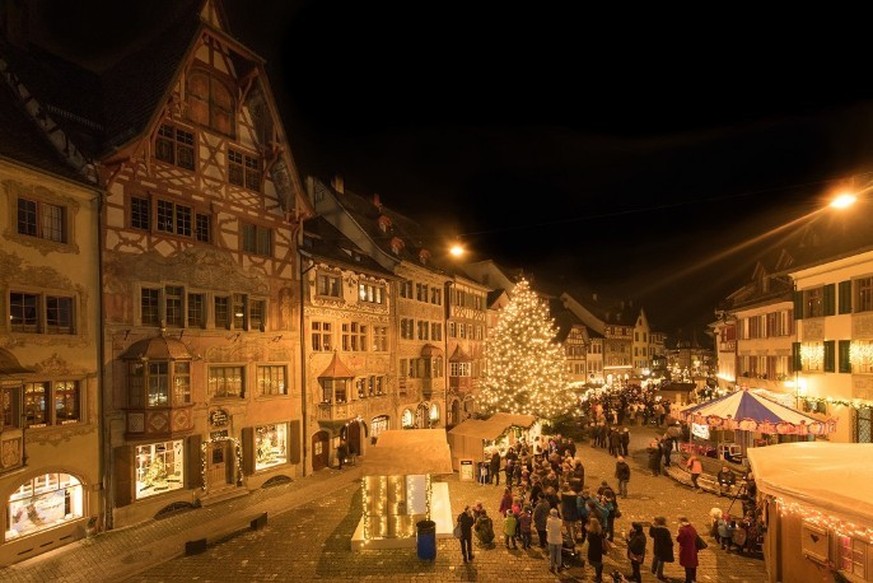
[457, 250]
[843, 201]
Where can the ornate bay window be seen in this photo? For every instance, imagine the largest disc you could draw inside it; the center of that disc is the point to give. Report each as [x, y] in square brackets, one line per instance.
[158, 377]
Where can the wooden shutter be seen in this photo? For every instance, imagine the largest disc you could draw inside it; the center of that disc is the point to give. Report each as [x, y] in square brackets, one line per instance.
[845, 363]
[830, 299]
[845, 303]
[194, 462]
[122, 458]
[294, 448]
[248, 451]
[798, 305]
[829, 356]
[796, 362]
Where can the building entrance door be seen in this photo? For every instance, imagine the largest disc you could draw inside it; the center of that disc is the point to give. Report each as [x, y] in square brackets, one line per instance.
[219, 465]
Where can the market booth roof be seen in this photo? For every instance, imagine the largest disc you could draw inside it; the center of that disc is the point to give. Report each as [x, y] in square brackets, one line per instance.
[833, 477]
[752, 412]
[493, 427]
[408, 452]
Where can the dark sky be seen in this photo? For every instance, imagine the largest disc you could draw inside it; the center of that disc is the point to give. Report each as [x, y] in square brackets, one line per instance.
[627, 150]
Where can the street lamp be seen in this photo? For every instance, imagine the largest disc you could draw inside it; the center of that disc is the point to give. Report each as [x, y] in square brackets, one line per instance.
[843, 200]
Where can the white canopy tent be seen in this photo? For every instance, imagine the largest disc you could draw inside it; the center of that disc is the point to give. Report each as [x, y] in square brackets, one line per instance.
[817, 499]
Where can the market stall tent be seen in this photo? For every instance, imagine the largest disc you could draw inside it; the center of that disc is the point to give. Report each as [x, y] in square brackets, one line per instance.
[469, 438]
[818, 501]
[398, 490]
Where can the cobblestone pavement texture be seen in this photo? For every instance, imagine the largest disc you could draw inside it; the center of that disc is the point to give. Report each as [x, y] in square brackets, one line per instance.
[310, 523]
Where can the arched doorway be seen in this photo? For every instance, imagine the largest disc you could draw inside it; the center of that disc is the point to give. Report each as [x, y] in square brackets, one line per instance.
[320, 450]
[455, 416]
[354, 435]
[422, 416]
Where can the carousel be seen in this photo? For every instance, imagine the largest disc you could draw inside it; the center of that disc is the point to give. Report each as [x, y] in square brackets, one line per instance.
[728, 426]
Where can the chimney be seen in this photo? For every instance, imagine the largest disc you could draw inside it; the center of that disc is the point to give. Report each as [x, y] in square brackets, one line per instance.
[337, 183]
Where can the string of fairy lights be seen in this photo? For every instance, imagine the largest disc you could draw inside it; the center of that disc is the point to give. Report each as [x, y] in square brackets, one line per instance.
[526, 371]
[237, 449]
[391, 500]
[825, 521]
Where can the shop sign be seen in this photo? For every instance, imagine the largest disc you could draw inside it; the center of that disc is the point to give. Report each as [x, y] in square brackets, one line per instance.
[219, 418]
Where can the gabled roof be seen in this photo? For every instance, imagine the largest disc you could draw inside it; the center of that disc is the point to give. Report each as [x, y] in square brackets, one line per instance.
[609, 310]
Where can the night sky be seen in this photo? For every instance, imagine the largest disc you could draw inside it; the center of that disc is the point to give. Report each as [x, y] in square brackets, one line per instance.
[625, 150]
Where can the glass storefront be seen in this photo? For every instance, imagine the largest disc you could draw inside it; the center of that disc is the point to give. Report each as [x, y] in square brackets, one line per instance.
[44, 502]
[271, 445]
[159, 468]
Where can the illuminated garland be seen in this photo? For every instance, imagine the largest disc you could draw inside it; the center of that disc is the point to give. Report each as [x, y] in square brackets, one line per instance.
[237, 448]
[825, 521]
[853, 403]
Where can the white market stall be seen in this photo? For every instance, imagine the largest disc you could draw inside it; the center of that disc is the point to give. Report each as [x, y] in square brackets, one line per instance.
[469, 439]
[818, 507]
[398, 491]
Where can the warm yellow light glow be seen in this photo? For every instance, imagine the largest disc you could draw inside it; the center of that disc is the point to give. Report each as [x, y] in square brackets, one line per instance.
[844, 200]
[457, 250]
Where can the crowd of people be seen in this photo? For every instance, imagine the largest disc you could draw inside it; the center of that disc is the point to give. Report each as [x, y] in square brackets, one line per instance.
[545, 503]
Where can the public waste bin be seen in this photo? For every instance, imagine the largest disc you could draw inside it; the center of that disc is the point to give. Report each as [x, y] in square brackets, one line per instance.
[426, 539]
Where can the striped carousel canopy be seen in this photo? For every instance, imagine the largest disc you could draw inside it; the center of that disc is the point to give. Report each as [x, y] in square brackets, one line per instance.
[751, 412]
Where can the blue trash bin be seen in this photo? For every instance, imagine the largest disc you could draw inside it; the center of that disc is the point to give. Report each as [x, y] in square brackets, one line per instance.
[426, 539]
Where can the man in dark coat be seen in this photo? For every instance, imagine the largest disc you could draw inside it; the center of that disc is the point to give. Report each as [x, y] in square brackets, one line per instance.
[494, 467]
[662, 546]
[465, 519]
[624, 436]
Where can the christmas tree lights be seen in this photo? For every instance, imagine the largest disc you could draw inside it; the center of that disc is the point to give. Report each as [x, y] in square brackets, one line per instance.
[526, 366]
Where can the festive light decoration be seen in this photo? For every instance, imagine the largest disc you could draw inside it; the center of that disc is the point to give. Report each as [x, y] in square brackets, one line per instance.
[825, 521]
[237, 448]
[852, 403]
[812, 356]
[525, 366]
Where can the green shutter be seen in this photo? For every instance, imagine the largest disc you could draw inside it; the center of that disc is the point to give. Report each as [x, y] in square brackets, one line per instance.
[798, 305]
[295, 445]
[845, 304]
[845, 363]
[830, 299]
[829, 356]
[248, 450]
[796, 362]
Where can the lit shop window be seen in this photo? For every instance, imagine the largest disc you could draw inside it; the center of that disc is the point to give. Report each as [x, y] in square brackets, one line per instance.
[271, 445]
[378, 425]
[42, 503]
[434, 413]
[407, 421]
[159, 468]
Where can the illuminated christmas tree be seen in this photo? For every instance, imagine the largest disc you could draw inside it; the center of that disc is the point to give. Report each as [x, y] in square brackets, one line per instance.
[525, 366]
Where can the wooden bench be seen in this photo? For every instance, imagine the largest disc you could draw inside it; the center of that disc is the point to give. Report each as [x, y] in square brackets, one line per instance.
[197, 546]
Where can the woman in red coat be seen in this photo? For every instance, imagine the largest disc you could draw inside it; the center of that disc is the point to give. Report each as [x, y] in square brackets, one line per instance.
[687, 539]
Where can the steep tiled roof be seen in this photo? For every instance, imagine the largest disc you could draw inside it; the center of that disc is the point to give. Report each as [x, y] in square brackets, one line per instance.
[321, 239]
[22, 141]
[609, 310]
[414, 237]
[134, 87]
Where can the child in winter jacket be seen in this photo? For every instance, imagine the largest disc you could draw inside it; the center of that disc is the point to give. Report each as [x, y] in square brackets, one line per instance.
[510, 525]
[525, 522]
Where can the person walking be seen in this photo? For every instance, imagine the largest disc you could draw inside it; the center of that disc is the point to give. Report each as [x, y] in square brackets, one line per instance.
[465, 519]
[622, 474]
[506, 501]
[540, 518]
[569, 512]
[484, 529]
[494, 467]
[555, 540]
[662, 546]
[596, 538]
[636, 550]
[624, 440]
[687, 539]
[525, 524]
[654, 451]
[695, 467]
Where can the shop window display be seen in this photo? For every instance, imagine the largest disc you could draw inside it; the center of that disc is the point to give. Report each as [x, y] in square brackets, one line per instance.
[159, 468]
[271, 445]
[44, 502]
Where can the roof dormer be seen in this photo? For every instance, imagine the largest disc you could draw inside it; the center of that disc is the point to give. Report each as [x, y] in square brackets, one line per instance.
[424, 256]
[384, 223]
[397, 245]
